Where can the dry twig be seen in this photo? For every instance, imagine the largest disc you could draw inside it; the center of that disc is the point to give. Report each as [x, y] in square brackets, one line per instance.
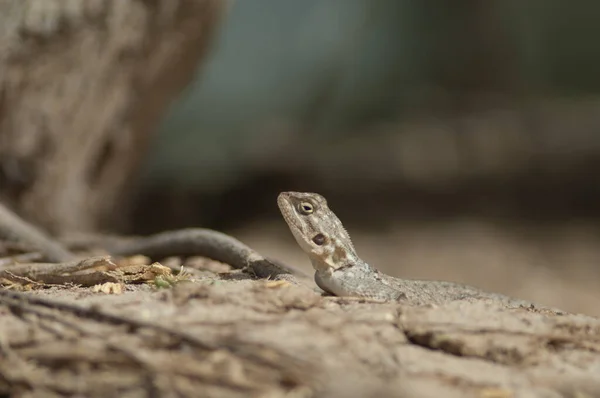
[36, 270]
[14, 228]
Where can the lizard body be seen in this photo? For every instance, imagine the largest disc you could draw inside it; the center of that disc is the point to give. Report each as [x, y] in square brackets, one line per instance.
[341, 272]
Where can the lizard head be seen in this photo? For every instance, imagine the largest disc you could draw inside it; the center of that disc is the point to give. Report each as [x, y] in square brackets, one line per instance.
[317, 230]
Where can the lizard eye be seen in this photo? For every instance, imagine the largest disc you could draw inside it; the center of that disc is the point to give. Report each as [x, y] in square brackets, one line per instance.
[306, 208]
[319, 239]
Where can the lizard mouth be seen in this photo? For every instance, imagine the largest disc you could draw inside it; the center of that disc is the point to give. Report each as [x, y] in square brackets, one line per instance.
[287, 209]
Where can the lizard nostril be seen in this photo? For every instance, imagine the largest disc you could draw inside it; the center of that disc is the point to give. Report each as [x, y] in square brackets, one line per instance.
[319, 239]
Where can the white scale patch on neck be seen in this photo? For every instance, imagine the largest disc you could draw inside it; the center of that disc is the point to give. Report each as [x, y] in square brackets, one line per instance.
[336, 253]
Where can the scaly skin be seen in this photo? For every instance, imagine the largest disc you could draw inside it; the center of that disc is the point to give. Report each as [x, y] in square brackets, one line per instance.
[341, 272]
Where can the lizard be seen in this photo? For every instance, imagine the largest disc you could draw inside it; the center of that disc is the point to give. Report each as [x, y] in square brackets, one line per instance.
[339, 271]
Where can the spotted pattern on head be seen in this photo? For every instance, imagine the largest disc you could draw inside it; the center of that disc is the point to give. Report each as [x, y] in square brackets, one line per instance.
[328, 254]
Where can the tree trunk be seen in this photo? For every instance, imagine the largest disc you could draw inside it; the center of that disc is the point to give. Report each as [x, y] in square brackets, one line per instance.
[83, 85]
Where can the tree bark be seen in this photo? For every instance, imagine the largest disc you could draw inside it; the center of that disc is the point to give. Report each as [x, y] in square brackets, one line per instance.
[245, 338]
[83, 85]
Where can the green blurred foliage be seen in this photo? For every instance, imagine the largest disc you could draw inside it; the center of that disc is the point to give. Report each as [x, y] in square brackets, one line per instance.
[325, 68]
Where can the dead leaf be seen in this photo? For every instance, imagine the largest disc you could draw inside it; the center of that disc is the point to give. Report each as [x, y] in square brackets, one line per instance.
[277, 284]
[108, 288]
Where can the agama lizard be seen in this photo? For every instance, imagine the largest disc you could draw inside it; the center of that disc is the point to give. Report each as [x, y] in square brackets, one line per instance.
[341, 272]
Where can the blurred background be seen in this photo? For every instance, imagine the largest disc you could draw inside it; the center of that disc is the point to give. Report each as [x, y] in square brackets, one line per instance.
[456, 140]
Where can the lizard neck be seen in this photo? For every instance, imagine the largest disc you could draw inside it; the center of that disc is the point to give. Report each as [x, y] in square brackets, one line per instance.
[334, 255]
[345, 264]
[346, 280]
